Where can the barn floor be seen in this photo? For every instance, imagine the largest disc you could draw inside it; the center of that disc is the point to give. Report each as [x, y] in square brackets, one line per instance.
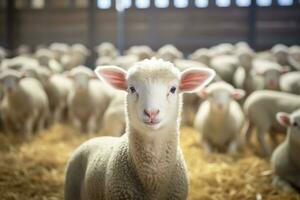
[35, 170]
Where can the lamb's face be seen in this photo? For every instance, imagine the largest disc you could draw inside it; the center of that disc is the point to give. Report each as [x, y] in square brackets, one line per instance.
[153, 88]
[152, 102]
[271, 79]
[220, 95]
[292, 121]
[10, 82]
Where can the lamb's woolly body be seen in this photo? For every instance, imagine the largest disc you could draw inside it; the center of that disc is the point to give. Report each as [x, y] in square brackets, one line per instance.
[138, 165]
[86, 107]
[285, 159]
[261, 108]
[26, 108]
[290, 82]
[220, 129]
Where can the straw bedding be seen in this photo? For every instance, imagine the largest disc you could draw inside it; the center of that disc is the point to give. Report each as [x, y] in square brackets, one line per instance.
[35, 169]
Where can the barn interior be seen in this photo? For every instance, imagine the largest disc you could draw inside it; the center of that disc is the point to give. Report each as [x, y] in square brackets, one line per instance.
[48, 40]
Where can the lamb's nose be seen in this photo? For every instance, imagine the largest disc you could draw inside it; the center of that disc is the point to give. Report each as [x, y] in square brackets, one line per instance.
[151, 113]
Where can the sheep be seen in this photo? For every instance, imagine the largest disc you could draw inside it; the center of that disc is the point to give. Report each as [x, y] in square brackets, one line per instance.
[107, 49]
[146, 162]
[285, 159]
[281, 53]
[290, 82]
[104, 60]
[59, 50]
[46, 58]
[87, 101]
[169, 52]
[76, 56]
[25, 104]
[57, 87]
[243, 77]
[142, 52]
[223, 49]
[17, 63]
[220, 118]
[260, 109]
[114, 116]
[202, 55]
[269, 74]
[225, 66]
[23, 50]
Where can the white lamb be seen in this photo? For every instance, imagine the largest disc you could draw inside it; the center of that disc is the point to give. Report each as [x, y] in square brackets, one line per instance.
[25, 103]
[87, 101]
[146, 162]
[261, 107]
[106, 49]
[169, 52]
[285, 159]
[220, 118]
[142, 52]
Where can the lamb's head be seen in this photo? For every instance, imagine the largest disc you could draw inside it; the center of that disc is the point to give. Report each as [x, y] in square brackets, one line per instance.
[220, 95]
[292, 121]
[81, 76]
[271, 76]
[10, 80]
[154, 87]
[245, 59]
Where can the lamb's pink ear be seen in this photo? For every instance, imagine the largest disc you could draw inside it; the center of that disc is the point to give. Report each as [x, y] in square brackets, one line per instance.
[193, 79]
[238, 94]
[112, 75]
[283, 118]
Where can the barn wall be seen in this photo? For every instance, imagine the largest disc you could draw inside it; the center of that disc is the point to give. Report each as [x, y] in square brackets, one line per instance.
[188, 28]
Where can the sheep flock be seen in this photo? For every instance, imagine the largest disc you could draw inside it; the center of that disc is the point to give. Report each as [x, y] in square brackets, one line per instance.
[239, 133]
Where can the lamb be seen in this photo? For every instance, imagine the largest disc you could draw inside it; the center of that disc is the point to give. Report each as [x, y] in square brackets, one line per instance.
[125, 61]
[25, 104]
[146, 162]
[59, 50]
[285, 159]
[142, 52]
[87, 101]
[76, 56]
[107, 49]
[290, 82]
[202, 55]
[269, 73]
[243, 77]
[46, 58]
[260, 109]
[169, 52]
[57, 87]
[220, 118]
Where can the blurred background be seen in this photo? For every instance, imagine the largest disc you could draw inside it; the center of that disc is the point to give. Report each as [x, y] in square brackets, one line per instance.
[187, 24]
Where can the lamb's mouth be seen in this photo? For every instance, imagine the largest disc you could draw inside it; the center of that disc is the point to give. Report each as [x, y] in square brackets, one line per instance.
[152, 123]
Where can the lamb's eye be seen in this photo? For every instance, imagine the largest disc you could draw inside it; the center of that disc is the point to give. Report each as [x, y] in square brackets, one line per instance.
[173, 89]
[132, 89]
